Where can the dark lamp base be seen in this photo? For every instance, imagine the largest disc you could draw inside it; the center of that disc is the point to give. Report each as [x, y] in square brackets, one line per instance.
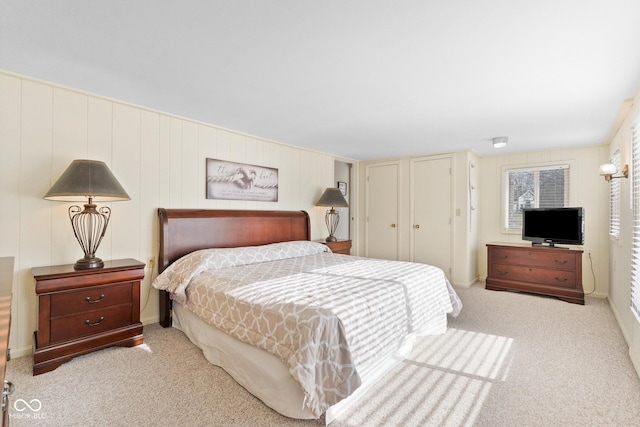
[331, 239]
[87, 263]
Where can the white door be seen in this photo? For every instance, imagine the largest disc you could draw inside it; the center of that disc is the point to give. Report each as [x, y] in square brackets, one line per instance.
[382, 211]
[431, 196]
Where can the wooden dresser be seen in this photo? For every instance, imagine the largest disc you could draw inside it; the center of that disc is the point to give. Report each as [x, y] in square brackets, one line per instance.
[80, 311]
[541, 270]
[6, 288]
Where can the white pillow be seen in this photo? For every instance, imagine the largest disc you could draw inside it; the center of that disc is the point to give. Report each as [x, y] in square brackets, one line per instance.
[178, 275]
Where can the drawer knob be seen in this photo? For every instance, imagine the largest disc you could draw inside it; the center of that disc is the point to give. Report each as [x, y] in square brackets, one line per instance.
[564, 279]
[502, 272]
[88, 322]
[560, 261]
[8, 389]
[93, 301]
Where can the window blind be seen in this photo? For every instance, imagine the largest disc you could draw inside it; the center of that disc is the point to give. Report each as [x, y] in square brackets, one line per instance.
[534, 187]
[614, 199]
[635, 246]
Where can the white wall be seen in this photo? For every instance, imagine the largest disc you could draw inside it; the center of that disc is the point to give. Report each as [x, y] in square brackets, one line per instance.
[158, 158]
[620, 249]
[466, 169]
[589, 190]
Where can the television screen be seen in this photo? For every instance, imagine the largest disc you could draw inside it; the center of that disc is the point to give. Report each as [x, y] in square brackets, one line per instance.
[559, 225]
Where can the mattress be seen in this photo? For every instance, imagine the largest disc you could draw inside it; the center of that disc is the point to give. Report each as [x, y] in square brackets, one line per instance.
[330, 321]
[267, 377]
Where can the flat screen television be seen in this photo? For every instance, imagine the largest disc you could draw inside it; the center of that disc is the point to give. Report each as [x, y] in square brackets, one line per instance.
[551, 226]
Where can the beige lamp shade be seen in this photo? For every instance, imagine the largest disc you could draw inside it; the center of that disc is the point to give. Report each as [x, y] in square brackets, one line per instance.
[87, 179]
[332, 197]
[608, 169]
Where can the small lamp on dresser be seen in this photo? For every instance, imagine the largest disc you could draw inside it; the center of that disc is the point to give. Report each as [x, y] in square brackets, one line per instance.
[88, 180]
[332, 197]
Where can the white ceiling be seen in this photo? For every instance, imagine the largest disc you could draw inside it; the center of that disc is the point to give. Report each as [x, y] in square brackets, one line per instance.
[362, 79]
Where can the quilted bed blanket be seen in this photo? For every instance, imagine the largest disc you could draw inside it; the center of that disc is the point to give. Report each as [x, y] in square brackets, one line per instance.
[326, 316]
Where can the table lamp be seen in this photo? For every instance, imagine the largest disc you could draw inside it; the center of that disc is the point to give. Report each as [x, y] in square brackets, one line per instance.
[332, 197]
[89, 180]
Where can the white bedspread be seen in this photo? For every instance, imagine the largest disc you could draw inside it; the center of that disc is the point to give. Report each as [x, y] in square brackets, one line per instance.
[328, 317]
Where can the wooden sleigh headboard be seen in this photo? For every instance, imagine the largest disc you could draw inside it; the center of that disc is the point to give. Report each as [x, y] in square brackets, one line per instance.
[186, 230]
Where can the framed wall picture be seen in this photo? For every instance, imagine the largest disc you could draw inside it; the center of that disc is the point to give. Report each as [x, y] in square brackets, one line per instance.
[240, 181]
[342, 186]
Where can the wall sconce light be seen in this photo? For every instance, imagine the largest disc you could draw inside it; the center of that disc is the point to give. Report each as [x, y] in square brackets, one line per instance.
[500, 141]
[608, 170]
[332, 197]
[88, 180]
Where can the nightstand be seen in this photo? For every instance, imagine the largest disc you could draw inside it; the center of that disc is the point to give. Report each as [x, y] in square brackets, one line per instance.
[339, 247]
[80, 311]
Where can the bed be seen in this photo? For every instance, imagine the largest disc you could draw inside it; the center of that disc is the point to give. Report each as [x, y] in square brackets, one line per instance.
[304, 330]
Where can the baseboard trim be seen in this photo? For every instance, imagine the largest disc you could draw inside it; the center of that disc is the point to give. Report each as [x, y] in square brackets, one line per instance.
[21, 352]
[624, 331]
[150, 319]
[635, 360]
[465, 285]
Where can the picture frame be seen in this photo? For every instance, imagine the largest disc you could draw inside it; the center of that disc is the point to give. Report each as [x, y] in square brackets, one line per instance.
[342, 186]
[227, 180]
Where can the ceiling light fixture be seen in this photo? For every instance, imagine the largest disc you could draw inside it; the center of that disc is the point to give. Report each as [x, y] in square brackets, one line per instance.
[500, 141]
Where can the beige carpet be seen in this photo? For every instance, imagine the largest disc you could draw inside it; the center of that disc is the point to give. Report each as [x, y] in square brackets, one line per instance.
[507, 360]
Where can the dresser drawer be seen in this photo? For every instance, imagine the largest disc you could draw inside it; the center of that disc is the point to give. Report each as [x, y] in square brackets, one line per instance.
[534, 258]
[91, 298]
[338, 247]
[90, 323]
[543, 276]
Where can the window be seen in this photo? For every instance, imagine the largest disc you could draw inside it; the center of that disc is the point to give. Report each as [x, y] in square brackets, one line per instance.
[614, 200]
[635, 245]
[534, 187]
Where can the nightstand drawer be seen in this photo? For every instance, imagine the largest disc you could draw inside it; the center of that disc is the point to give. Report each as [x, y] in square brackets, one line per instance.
[90, 323]
[91, 298]
[339, 247]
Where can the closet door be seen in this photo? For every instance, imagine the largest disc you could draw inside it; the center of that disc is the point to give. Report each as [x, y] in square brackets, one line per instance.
[382, 211]
[431, 196]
